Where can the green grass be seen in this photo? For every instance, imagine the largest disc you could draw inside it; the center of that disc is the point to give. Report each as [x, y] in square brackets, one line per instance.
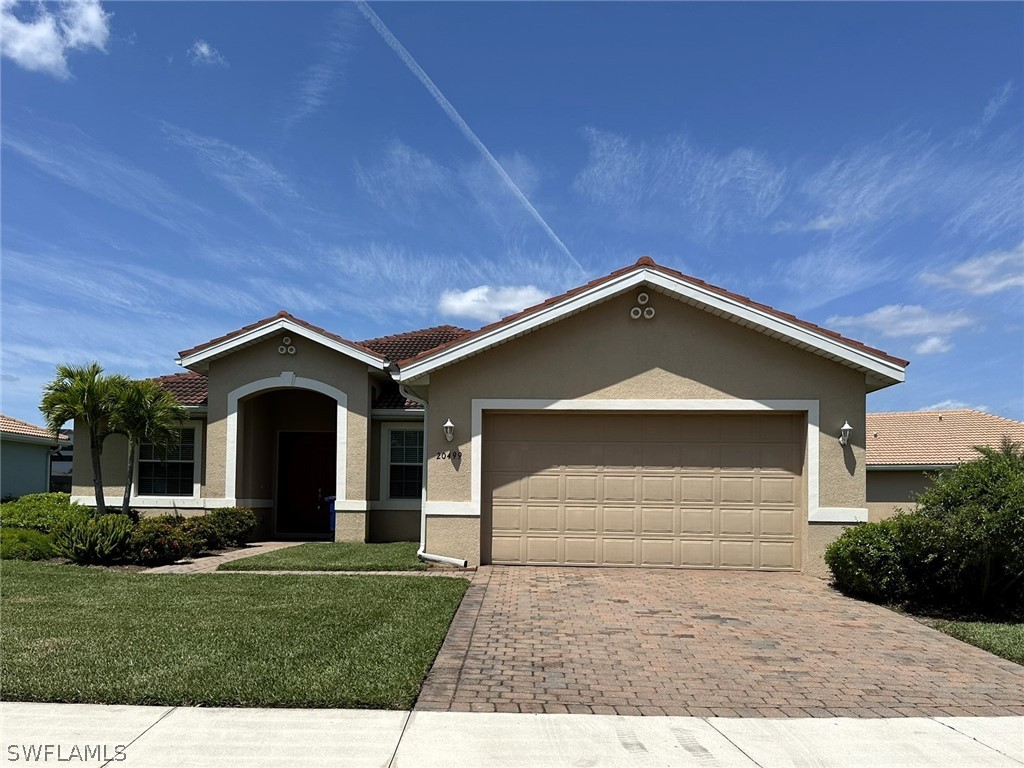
[341, 556]
[72, 634]
[1006, 640]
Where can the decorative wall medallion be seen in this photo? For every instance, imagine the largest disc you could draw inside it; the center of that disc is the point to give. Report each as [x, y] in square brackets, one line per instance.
[644, 311]
[286, 347]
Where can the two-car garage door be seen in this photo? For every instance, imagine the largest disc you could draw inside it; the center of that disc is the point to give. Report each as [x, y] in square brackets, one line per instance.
[669, 490]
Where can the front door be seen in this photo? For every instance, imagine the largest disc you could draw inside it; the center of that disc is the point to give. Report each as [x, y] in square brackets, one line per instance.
[305, 476]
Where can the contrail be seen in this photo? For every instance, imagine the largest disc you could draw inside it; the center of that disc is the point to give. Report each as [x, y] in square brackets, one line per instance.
[456, 118]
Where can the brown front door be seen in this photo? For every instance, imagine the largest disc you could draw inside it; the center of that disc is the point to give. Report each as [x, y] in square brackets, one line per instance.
[305, 476]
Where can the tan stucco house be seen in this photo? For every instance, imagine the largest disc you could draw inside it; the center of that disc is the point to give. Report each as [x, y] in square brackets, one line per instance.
[644, 419]
[907, 449]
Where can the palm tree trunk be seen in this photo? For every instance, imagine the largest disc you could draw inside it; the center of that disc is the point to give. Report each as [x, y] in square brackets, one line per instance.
[97, 475]
[129, 477]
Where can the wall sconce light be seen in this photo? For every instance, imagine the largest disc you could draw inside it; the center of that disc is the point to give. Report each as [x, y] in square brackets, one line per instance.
[449, 430]
[844, 433]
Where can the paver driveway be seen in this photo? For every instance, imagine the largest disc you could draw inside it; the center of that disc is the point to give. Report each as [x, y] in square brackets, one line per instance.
[701, 643]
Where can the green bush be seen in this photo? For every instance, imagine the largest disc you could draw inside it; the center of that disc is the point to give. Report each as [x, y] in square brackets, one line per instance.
[235, 524]
[41, 512]
[158, 541]
[99, 540]
[24, 544]
[202, 534]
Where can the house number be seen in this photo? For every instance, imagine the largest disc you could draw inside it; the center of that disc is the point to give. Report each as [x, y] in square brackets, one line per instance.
[449, 455]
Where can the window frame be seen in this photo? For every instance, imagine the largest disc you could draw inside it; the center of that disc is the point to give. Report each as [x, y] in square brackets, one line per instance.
[384, 492]
[197, 472]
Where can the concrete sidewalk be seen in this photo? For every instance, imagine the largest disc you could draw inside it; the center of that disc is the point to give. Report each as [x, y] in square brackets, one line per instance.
[167, 737]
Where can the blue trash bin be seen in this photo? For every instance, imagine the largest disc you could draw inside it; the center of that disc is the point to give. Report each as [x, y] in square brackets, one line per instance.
[330, 509]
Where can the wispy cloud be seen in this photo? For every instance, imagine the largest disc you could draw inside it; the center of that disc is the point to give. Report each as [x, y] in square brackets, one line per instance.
[202, 54]
[254, 181]
[489, 303]
[413, 66]
[993, 108]
[41, 42]
[676, 183]
[983, 275]
[955, 405]
[328, 72]
[896, 320]
[72, 157]
[405, 182]
[933, 345]
[836, 268]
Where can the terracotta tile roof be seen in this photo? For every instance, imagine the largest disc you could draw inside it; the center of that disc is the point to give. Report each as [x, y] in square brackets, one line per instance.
[190, 387]
[267, 321]
[12, 426]
[930, 438]
[392, 399]
[646, 261]
[412, 343]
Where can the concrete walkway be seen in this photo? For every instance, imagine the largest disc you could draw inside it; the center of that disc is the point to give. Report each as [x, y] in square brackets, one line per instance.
[167, 737]
[209, 564]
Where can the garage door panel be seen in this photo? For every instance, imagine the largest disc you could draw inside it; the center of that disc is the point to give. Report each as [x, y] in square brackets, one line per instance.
[697, 490]
[698, 456]
[580, 551]
[780, 457]
[588, 456]
[619, 519]
[736, 490]
[655, 488]
[623, 456]
[543, 457]
[619, 488]
[738, 456]
[581, 488]
[739, 428]
[505, 485]
[778, 490]
[542, 487]
[736, 522]
[697, 521]
[660, 456]
[736, 554]
[581, 519]
[779, 554]
[657, 552]
[542, 549]
[777, 522]
[507, 517]
[779, 429]
[658, 520]
[697, 553]
[507, 549]
[618, 551]
[542, 518]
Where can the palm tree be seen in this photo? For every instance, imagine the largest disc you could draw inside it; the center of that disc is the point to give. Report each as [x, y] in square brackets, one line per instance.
[145, 412]
[81, 393]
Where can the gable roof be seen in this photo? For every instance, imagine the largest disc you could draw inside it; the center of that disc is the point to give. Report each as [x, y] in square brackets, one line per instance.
[934, 438]
[190, 388]
[880, 368]
[402, 345]
[22, 431]
[198, 358]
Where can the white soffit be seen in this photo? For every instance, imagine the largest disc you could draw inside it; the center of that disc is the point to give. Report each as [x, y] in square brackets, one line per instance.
[879, 371]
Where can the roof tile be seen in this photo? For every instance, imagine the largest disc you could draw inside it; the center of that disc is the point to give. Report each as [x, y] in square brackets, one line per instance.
[934, 438]
[402, 345]
[12, 426]
[190, 387]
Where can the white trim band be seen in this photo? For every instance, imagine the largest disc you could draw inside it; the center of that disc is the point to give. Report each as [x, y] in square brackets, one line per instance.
[176, 502]
[452, 509]
[838, 515]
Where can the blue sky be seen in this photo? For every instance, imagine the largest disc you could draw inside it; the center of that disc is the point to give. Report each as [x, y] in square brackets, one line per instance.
[172, 171]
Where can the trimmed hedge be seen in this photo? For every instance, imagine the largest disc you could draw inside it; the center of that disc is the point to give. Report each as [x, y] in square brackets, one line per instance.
[235, 525]
[158, 541]
[25, 544]
[41, 512]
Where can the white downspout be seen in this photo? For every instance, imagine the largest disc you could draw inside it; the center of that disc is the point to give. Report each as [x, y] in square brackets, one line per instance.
[421, 552]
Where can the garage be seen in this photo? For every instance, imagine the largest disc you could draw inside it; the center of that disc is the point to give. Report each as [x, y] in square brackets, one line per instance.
[678, 490]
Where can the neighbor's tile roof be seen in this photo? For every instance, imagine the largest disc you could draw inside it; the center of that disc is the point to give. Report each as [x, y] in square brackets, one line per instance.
[190, 387]
[12, 426]
[928, 438]
[409, 344]
[646, 261]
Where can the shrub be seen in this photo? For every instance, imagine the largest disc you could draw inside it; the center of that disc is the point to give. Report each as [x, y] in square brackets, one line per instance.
[24, 544]
[158, 541]
[235, 524]
[41, 512]
[201, 534]
[93, 541]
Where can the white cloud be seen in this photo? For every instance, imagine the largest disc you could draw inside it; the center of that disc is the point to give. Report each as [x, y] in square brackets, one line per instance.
[955, 405]
[837, 268]
[933, 345]
[203, 54]
[406, 181]
[993, 108]
[41, 43]
[488, 303]
[899, 320]
[990, 273]
[327, 73]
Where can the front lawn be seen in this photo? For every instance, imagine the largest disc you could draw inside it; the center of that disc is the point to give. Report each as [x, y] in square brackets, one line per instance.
[1006, 640]
[334, 556]
[73, 634]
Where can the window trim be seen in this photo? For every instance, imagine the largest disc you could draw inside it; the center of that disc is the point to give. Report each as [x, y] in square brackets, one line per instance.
[197, 473]
[384, 492]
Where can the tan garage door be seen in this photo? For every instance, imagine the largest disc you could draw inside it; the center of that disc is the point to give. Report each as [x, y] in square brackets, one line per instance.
[671, 490]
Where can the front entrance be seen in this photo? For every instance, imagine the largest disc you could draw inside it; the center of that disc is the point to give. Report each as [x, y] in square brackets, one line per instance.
[305, 477]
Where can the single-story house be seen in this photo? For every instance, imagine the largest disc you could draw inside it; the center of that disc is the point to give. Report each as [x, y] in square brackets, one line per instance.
[906, 449]
[25, 457]
[646, 418]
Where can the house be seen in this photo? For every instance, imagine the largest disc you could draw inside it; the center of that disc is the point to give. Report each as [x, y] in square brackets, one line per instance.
[905, 450]
[646, 418]
[25, 457]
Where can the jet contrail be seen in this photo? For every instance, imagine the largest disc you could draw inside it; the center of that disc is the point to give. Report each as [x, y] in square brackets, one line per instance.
[456, 118]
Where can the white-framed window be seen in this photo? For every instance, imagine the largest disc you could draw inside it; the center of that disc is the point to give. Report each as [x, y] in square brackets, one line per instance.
[174, 472]
[401, 464]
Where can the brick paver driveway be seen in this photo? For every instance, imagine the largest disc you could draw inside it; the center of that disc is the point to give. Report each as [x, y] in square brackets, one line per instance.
[702, 643]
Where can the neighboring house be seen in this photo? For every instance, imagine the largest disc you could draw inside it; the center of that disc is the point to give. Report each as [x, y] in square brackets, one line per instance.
[646, 418]
[25, 457]
[61, 462]
[905, 450]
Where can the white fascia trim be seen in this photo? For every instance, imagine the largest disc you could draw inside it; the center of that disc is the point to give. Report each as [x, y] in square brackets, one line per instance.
[282, 324]
[838, 515]
[176, 502]
[287, 379]
[713, 301]
[452, 509]
[10, 437]
[810, 407]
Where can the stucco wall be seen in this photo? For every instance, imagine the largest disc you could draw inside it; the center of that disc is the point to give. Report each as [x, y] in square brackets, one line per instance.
[313, 361]
[24, 468]
[888, 491]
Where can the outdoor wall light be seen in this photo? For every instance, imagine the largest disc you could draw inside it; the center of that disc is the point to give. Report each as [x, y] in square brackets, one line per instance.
[449, 430]
[844, 433]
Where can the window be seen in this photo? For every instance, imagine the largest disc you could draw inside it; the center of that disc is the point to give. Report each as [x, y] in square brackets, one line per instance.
[170, 472]
[404, 463]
